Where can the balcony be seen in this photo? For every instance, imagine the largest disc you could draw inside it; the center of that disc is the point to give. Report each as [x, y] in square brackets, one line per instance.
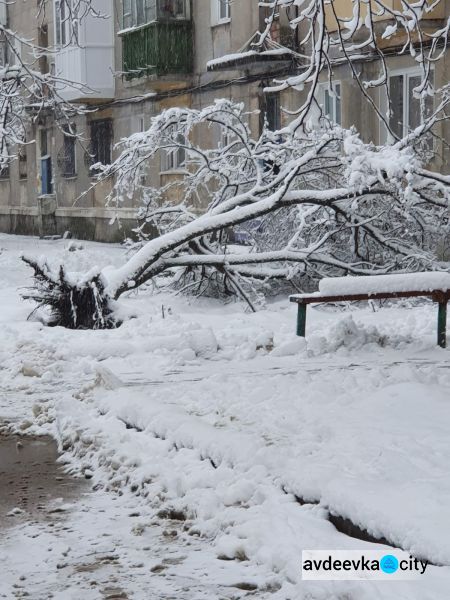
[162, 47]
[90, 63]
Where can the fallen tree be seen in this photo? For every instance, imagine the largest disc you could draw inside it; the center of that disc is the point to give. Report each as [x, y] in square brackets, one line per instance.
[319, 200]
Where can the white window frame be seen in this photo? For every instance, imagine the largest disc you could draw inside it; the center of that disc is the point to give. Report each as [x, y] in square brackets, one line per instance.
[3, 52]
[226, 137]
[142, 12]
[336, 92]
[59, 30]
[409, 72]
[63, 28]
[139, 124]
[146, 8]
[173, 159]
[216, 9]
[127, 17]
[4, 13]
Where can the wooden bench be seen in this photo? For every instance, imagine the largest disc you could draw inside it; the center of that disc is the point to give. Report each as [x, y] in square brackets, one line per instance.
[439, 295]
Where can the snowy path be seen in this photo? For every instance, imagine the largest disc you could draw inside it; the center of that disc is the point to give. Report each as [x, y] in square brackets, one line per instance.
[190, 443]
[193, 375]
[101, 545]
[208, 424]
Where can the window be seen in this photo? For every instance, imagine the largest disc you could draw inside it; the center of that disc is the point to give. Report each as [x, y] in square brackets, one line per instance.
[172, 9]
[224, 10]
[15, 53]
[4, 160]
[173, 158]
[4, 171]
[406, 113]
[101, 141]
[127, 14]
[330, 101]
[44, 143]
[3, 50]
[69, 152]
[270, 112]
[67, 156]
[140, 12]
[60, 22]
[273, 113]
[23, 171]
[3, 14]
[266, 12]
[225, 137]
[139, 124]
[220, 11]
[66, 29]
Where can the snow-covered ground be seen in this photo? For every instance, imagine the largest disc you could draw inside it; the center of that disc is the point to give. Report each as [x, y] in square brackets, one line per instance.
[230, 440]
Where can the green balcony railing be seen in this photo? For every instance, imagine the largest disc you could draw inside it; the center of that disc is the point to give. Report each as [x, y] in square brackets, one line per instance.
[159, 48]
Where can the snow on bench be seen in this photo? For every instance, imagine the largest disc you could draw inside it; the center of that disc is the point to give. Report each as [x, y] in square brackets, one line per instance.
[435, 285]
[404, 282]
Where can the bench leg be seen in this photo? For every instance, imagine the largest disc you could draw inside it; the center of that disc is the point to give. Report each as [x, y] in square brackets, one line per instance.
[301, 320]
[442, 324]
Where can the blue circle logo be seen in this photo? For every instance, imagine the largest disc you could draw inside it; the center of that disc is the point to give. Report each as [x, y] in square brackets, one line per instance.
[389, 564]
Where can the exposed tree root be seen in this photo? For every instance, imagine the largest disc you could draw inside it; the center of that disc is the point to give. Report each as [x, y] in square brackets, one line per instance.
[74, 306]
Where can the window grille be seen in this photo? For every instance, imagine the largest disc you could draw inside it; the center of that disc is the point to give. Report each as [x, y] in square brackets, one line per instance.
[67, 154]
[270, 111]
[101, 141]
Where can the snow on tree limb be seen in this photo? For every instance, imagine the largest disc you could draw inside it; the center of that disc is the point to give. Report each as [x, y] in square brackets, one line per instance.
[314, 199]
[366, 174]
[28, 88]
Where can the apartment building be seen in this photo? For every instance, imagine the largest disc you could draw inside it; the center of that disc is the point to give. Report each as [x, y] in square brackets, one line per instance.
[148, 55]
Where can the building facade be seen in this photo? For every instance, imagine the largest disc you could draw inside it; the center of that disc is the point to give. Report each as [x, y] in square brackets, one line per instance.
[142, 57]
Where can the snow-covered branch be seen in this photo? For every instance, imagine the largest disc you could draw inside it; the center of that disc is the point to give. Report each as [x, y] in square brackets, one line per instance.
[310, 200]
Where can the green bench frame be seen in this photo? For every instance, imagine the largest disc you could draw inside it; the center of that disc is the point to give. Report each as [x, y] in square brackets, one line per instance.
[439, 296]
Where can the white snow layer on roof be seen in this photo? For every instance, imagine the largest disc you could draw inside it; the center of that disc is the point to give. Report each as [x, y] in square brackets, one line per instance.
[422, 282]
